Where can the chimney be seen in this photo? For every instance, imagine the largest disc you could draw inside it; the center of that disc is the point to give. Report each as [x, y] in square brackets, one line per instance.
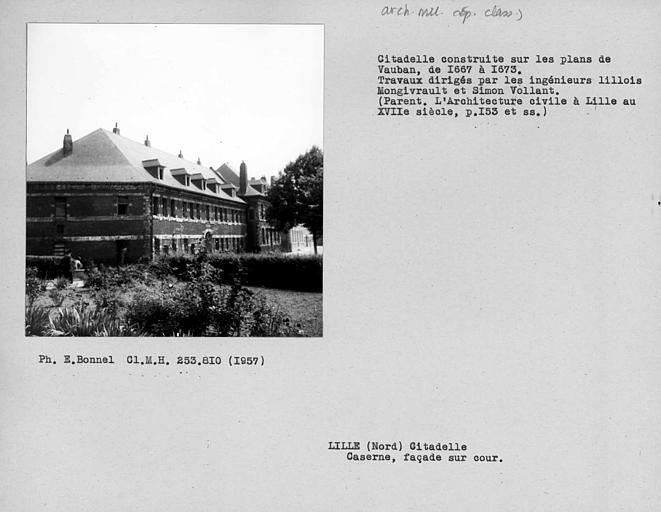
[180, 155]
[199, 162]
[147, 142]
[243, 178]
[272, 180]
[115, 130]
[67, 145]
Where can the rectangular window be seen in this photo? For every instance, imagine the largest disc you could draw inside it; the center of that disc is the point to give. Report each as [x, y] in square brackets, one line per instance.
[206, 208]
[59, 229]
[174, 245]
[191, 210]
[157, 246]
[184, 209]
[154, 206]
[185, 244]
[122, 205]
[164, 203]
[197, 211]
[217, 243]
[60, 207]
[173, 208]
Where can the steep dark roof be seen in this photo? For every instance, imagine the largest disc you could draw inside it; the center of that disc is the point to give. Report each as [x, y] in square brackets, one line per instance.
[103, 156]
[228, 173]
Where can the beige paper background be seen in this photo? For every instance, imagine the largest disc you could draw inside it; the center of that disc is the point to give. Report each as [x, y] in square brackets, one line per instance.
[492, 283]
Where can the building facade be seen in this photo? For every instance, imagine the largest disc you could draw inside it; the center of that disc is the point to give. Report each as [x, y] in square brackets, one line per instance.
[260, 234]
[110, 199]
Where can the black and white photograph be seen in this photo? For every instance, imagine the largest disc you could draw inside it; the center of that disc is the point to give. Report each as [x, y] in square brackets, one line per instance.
[174, 180]
[462, 315]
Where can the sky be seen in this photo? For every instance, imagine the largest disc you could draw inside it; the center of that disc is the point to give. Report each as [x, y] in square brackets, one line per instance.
[223, 93]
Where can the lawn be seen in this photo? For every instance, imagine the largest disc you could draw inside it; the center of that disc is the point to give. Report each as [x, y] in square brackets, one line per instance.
[304, 308]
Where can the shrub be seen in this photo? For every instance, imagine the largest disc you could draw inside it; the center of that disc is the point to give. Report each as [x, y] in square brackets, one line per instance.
[36, 321]
[33, 285]
[61, 283]
[56, 293]
[108, 299]
[56, 296]
[48, 267]
[86, 321]
[165, 312]
[274, 270]
[111, 277]
[202, 308]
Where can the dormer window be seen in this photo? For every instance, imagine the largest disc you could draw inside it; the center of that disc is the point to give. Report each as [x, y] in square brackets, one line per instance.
[154, 167]
[199, 181]
[181, 175]
[212, 184]
[229, 189]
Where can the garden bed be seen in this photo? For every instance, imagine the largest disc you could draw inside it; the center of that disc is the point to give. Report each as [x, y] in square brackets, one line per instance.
[142, 300]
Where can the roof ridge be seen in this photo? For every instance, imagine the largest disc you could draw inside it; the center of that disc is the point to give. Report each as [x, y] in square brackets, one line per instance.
[107, 133]
[193, 165]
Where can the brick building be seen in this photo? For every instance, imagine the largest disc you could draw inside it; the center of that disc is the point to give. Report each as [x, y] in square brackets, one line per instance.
[260, 234]
[112, 199]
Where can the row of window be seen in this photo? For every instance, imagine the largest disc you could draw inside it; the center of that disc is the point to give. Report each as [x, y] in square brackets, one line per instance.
[174, 245]
[168, 207]
[188, 210]
[269, 237]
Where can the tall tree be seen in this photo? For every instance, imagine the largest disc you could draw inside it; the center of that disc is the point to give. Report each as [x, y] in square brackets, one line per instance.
[297, 196]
